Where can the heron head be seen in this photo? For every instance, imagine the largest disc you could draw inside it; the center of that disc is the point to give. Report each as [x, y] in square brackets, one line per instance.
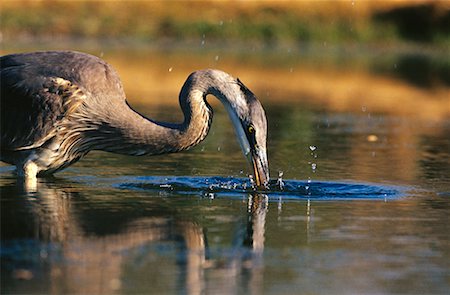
[246, 114]
[250, 122]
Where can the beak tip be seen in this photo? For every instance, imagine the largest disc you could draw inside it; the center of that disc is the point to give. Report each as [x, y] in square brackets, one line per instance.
[261, 177]
[260, 169]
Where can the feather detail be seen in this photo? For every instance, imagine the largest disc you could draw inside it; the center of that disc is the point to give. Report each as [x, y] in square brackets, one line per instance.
[72, 97]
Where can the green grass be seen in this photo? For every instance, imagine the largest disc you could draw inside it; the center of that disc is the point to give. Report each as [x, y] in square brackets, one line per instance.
[265, 23]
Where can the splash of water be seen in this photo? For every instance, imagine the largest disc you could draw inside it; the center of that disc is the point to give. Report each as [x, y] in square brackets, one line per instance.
[252, 181]
[214, 187]
[280, 183]
[313, 149]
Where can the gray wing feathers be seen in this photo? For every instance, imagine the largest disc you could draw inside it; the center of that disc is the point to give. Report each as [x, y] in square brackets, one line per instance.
[39, 89]
[31, 107]
[30, 115]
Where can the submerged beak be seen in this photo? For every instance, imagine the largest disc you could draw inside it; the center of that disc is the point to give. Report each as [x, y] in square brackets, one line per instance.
[260, 167]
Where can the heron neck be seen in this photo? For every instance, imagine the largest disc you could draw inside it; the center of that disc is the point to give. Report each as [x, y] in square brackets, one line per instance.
[140, 135]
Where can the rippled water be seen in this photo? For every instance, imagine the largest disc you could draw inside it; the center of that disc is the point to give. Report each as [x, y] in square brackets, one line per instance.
[291, 190]
[363, 209]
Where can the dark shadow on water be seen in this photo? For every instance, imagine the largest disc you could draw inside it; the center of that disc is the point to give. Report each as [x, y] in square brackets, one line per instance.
[417, 69]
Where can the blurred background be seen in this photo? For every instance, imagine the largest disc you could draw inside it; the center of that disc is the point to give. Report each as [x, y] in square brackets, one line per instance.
[355, 92]
[388, 56]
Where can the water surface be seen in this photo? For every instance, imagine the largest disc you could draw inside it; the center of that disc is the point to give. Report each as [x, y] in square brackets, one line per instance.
[363, 208]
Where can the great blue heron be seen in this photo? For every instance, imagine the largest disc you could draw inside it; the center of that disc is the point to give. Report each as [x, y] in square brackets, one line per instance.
[56, 106]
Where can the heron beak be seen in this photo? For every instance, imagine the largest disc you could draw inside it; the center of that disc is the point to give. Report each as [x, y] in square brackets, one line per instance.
[260, 167]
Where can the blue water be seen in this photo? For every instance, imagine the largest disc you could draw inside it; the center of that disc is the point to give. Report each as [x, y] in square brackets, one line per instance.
[235, 187]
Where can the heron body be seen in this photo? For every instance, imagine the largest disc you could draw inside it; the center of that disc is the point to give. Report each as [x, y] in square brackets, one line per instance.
[56, 106]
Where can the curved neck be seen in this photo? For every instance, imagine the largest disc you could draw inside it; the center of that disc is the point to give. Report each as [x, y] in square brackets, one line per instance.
[140, 135]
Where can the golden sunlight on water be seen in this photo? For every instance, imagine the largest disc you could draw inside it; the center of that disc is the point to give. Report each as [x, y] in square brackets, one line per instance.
[155, 78]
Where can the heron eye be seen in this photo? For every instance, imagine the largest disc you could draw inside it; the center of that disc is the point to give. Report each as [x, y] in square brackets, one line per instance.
[251, 129]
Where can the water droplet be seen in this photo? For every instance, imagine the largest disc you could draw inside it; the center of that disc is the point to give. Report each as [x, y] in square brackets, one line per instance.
[252, 181]
[372, 138]
[313, 167]
[203, 39]
[307, 187]
[312, 148]
[280, 182]
[217, 58]
[170, 69]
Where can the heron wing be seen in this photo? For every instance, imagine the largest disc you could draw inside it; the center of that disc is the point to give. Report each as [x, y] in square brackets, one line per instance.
[32, 105]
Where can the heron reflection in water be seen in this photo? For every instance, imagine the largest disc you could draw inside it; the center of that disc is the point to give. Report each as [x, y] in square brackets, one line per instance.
[117, 252]
[56, 106]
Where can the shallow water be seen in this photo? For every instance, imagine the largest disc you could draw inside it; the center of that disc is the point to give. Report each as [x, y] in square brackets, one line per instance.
[363, 208]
